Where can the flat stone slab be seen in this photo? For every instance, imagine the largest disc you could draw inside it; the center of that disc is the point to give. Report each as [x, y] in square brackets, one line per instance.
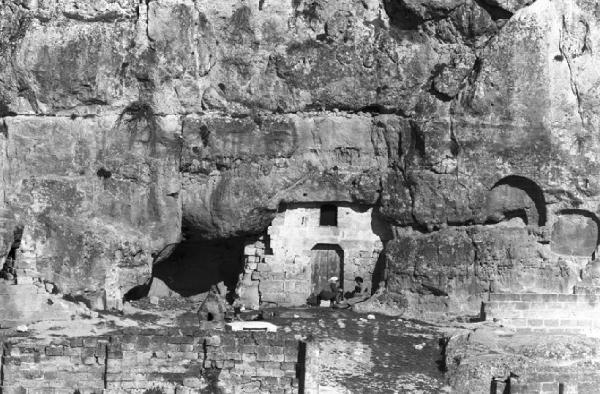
[543, 298]
[252, 326]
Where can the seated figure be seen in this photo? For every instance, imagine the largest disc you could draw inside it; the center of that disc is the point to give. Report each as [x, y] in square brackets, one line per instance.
[360, 289]
[333, 293]
[214, 307]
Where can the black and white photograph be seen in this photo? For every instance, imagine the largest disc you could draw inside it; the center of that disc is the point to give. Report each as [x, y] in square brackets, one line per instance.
[299, 196]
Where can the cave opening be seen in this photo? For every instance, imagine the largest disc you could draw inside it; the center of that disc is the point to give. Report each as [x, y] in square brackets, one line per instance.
[192, 267]
[195, 265]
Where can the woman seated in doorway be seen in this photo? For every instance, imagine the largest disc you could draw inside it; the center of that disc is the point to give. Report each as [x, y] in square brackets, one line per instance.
[333, 293]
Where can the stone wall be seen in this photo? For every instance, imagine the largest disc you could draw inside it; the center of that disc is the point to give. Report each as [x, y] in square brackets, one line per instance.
[549, 313]
[61, 366]
[170, 360]
[282, 274]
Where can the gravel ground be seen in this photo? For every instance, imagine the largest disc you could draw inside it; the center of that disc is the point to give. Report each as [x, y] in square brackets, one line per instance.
[358, 354]
[361, 355]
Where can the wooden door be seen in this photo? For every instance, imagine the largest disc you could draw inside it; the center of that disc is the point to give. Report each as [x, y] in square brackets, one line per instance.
[326, 262]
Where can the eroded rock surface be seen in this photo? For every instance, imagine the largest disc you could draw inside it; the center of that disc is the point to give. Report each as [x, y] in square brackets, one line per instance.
[491, 358]
[128, 126]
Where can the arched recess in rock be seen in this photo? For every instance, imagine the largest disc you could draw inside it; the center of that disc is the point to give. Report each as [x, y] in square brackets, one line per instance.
[516, 196]
[576, 232]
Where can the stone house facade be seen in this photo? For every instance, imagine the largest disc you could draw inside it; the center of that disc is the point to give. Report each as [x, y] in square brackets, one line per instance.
[304, 246]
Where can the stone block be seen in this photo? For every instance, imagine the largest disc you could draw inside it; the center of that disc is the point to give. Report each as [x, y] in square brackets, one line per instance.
[213, 340]
[90, 342]
[250, 250]
[249, 349]
[275, 276]
[278, 358]
[278, 373]
[228, 340]
[248, 357]
[262, 353]
[535, 322]
[263, 267]
[277, 298]
[551, 322]
[24, 280]
[522, 305]
[54, 350]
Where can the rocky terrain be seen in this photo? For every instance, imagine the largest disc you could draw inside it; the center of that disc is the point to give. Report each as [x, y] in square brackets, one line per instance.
[469, 124]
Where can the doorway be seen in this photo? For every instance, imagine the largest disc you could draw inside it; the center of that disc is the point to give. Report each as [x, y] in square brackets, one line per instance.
[327, 260]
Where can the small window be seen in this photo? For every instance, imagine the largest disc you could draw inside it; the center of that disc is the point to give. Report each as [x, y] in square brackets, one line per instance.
[328, 215]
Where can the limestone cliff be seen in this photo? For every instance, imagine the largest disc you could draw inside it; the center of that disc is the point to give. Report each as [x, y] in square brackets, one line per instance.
[471, 126]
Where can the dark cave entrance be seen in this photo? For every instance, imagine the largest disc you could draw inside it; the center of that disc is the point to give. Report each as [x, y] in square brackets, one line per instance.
[192, 267]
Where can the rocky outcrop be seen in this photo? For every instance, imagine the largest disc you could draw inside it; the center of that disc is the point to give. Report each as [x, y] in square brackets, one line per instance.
[492, 359]
[127, 126]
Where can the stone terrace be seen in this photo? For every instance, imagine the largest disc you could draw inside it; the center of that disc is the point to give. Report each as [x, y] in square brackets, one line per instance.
[550, 313]
[167, 360]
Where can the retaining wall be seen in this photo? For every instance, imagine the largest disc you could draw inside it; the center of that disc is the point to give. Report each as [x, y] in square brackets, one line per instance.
[156, 361]
[550, 313]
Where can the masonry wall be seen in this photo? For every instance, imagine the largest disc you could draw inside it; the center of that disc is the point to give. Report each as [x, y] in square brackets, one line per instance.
[282, 273]
[170, 360]
[550, 313]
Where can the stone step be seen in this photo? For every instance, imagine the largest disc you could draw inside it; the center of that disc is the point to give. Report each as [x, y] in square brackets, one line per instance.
[550, 313]
[545, 298]
[554, 326]
[550, 310]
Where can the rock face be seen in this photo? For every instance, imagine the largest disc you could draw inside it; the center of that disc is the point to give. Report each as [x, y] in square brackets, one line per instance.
[489, 359]
[128, 126]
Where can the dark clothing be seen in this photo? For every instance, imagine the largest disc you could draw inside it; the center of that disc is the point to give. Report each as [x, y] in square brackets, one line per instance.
[360, 290]
[331, 294]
